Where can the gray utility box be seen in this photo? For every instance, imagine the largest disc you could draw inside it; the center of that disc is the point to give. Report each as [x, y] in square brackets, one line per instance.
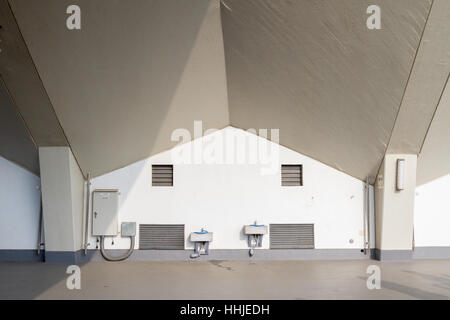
[105, 208]
[128, 229]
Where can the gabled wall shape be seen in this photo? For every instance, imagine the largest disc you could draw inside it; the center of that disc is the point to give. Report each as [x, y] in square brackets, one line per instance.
[222, 198]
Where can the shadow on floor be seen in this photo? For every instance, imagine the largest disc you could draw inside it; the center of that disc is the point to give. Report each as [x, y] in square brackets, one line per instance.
[410, 291]
[29, 279]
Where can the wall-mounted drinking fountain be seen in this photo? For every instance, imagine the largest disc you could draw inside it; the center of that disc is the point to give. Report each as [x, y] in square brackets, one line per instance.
[255, 233]
[201, 242]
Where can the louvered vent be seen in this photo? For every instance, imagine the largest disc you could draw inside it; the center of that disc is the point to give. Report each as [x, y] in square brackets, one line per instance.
[161, 236]
[162, 175]
[292, 236]
[291, 175]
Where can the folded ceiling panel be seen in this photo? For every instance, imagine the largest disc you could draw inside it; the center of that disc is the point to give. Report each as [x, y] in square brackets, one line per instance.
[16, 143]
[133, 73]
[315, 71]
[426, 84]
[24, 84]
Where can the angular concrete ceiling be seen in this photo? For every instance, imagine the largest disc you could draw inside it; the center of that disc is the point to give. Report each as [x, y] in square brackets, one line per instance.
[315, 71]
[135, 71]
[138, 69]
[22, 81]
[426, 83]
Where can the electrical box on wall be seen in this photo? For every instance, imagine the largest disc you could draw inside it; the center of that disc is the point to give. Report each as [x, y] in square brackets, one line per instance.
[105, 208]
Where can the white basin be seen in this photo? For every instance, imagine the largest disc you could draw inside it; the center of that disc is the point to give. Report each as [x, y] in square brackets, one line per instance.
[201, 237]
[255, 230]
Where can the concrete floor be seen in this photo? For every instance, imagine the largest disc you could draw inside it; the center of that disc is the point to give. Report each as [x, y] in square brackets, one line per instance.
[420, 279]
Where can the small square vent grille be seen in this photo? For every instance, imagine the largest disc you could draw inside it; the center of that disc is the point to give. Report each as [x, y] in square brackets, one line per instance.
[291, 236]
[291, 175]
[161, 236]
[162, 175]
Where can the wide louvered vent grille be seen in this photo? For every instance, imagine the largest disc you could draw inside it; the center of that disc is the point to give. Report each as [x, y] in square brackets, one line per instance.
[292, 175]
[161, 236]
[162, 175]
[292, 236]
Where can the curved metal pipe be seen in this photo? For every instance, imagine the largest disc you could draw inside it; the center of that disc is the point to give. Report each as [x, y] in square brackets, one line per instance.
[118, 258]
[86, 222]
[40, 230]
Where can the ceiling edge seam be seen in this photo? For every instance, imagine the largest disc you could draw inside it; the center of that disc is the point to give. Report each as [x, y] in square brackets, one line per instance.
[43, 86]
[18, 111]
[407, 84]
[225, 62]
[446, 83]
[26, 128]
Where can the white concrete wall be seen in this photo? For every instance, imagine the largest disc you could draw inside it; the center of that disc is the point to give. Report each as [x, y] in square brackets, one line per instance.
[223, 198]
[20, 200]
[395, 209]
[62, 194]
[432, 213]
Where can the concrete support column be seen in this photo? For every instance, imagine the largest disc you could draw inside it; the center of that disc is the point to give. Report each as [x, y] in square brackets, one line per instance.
[394, 208]
[62, 186]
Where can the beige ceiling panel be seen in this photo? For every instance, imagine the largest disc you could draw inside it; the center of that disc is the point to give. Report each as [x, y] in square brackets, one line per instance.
[135, 71]
[428, 78]
[315, 71]
[23, 82]
[434, 159]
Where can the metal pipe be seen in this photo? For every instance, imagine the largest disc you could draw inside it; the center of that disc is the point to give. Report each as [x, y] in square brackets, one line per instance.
[86, 222]
[366, 215]
[118, 258]
[40, 230]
